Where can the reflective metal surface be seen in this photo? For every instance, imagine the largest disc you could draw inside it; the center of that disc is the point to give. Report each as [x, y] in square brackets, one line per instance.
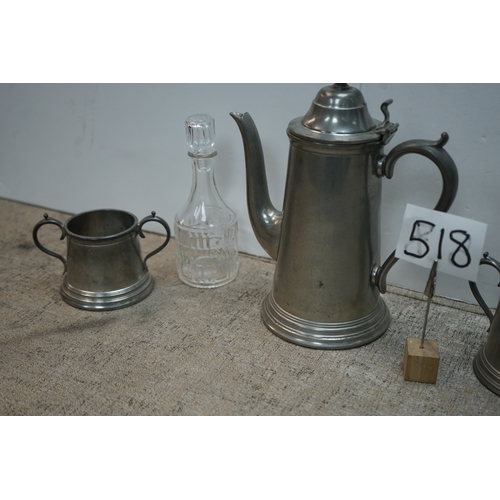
[339, 114]
[339, 109]
[103, 267]
[487, 361]
[327, 283]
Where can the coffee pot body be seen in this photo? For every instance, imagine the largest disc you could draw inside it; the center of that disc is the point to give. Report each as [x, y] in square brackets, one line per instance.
[326, 239]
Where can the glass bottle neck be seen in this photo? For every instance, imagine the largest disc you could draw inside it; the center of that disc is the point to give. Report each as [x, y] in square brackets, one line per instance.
[204, 189]
[204, 207]
[203, 165]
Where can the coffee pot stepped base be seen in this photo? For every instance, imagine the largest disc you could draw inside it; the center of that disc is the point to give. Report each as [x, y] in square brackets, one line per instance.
[486, 373]
[319, 335]
[109, 300]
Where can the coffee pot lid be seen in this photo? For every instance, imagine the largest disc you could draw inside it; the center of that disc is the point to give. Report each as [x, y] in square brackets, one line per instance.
[339, 114]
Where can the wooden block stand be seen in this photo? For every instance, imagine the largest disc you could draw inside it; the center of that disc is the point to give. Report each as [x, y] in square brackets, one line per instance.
[421, 364]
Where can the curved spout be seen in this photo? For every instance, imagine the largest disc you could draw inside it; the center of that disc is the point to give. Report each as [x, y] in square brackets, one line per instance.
[265, 219]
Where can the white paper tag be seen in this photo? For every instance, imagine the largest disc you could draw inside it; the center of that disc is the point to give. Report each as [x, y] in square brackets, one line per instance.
[456, 242]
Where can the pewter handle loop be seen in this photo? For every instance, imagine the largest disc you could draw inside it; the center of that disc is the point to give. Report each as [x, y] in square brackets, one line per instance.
[439, 156]
[49, 220]
[490, 261]
[153, 218]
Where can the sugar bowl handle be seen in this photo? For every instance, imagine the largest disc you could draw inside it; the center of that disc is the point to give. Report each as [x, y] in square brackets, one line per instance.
[434, 150]
[154, 218]
[48, 220]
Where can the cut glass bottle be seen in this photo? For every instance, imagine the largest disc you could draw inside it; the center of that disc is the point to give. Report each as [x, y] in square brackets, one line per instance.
[206, 229]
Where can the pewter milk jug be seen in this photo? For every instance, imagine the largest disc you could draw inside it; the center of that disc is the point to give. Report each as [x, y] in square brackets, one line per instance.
[487, 361]
[326, 241]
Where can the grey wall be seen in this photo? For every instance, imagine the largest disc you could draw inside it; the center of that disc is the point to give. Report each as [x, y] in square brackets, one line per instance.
[77, 147]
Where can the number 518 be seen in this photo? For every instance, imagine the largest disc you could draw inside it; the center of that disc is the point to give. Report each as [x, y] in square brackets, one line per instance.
[420, 233]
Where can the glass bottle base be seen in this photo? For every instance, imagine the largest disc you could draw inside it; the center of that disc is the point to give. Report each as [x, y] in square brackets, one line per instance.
[205, 259]
[208, 271]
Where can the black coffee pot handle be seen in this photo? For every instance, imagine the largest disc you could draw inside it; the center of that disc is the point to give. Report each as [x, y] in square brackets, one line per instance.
[434, 150]
[48, 220]
[154, 218]
[490, 261]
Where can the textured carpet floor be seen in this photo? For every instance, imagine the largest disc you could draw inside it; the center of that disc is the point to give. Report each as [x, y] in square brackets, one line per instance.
[185, 351]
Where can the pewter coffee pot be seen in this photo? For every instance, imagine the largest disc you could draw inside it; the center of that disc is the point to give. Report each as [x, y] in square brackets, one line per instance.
[327, 283]
[487, 361]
